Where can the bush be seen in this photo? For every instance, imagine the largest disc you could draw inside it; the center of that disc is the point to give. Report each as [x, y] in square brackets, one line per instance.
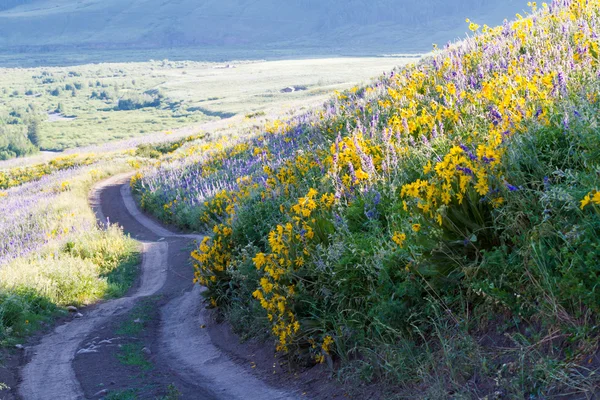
[147, 99]
[14, 142]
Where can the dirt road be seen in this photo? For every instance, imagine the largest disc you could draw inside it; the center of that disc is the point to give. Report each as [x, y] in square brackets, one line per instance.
[150, 344]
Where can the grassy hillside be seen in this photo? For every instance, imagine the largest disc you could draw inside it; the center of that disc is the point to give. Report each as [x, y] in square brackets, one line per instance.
[303, 27]
[436, 230]
[52, 252]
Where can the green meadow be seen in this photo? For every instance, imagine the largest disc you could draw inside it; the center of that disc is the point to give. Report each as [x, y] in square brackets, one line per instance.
[66, 107]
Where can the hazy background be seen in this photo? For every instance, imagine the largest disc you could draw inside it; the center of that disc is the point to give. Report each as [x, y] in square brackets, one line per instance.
[44, 32]
[90, 72]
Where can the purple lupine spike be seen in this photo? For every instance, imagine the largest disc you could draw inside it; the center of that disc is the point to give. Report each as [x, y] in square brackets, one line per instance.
[468, 151]
[352, 173]
[405, 126]
[546, 183]
[465, 170]
[377, 198]
[566, 122]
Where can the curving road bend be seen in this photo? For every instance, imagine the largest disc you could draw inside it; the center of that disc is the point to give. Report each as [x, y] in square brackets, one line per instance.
[185, 348]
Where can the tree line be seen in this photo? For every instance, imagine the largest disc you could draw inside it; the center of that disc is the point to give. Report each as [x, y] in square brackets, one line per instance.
[19, 133]
[6, 4]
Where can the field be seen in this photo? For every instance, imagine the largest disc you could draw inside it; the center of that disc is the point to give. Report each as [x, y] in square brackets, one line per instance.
[435, 231]
[87, 105]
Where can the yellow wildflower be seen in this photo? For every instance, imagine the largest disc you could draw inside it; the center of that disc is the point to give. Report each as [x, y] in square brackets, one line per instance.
[586, 200]
[399, 238]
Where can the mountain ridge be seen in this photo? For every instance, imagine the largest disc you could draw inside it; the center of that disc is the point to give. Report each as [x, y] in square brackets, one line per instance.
[355, 26]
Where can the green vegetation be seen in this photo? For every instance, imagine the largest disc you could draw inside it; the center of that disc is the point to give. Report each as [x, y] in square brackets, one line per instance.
[53, 254]
[131, 354]
[20, 175]
[162, 149]
[33, 289]
[138, 317]
[60, 108]
[83, 106]
[19, 133]
[437, 230]
[129, 394]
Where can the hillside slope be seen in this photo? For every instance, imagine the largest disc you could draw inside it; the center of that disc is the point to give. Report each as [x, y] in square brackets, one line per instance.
[438, 230]
[301, 26]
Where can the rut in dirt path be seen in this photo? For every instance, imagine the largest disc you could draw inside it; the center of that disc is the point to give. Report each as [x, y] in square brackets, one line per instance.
[49, 374]
[186, 349]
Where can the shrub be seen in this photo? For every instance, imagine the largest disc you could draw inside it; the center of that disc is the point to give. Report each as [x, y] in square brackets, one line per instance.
[147, 99]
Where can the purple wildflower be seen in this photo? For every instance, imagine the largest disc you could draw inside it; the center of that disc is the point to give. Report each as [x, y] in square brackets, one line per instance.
[465, 170]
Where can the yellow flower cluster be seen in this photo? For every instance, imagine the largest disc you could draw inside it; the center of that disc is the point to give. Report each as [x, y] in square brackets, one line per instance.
[452, 178]
[306, 205]
[169, 207]
[214, 254]
[20, 175]
[290, 245]
[435, 135]
[325, 349]
[590, 198]
[284, 179]
[135, 178]
[516, 99]
[355, 159]
[399, 238]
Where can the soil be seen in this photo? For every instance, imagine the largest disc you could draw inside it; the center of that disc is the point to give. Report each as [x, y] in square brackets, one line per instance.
[9, 362]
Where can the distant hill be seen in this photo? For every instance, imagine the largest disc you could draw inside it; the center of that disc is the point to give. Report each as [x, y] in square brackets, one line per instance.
[301, 27]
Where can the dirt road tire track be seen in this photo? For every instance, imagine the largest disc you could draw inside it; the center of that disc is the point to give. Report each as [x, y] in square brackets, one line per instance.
[49, 374]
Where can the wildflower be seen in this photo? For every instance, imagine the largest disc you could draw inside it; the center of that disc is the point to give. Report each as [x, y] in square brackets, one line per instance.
[586, 200]
[427, 168]
[399, 239]
[546, 183]
[497, 202]
[416, 227]
[327, 342]
[465, 170]
[482, 186]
